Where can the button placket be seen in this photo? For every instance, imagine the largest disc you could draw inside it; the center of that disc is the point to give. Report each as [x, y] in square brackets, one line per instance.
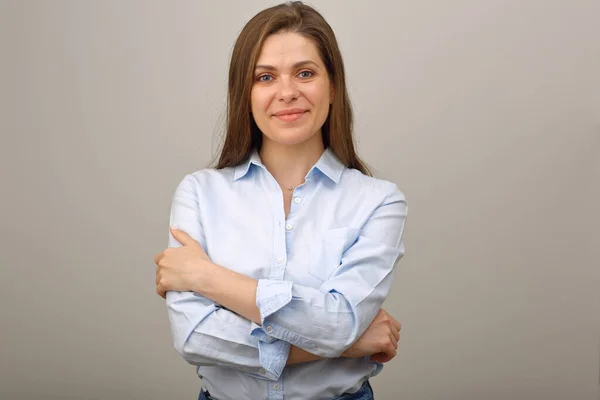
[276, 390]
[277, 270]
[297, 198]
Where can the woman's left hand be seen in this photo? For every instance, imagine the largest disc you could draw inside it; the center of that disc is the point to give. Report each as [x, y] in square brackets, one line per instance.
[181, 268]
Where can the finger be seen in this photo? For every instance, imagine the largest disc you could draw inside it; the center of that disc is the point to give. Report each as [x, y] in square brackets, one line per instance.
[386, 359]
[396, 323]
[182, 237]
[160, 291]
[390, 350]
[381, 358]
[395, 334]
[158, 257]
[394, 341]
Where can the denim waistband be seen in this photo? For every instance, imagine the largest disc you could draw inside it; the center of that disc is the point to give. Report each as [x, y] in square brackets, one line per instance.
[364, 393]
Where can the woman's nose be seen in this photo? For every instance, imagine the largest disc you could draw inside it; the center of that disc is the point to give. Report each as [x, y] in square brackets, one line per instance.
[288, 90]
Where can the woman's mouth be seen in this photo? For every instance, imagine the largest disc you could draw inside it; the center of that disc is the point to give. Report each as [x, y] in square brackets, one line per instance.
[290, 116]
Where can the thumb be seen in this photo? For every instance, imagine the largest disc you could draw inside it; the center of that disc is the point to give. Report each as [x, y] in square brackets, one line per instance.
[182, 237]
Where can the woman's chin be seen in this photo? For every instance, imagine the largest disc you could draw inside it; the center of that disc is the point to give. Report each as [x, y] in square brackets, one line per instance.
[288, 140]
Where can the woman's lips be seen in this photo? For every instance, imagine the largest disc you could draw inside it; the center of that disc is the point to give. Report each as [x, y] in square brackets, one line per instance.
[291, 117]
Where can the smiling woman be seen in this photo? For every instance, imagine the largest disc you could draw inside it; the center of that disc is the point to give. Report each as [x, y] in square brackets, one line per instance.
[281, 256]
[292, 92]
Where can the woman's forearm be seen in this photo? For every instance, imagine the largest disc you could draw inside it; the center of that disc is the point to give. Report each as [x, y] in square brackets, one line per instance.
[232, 290]
[237, 292]
[298, 356]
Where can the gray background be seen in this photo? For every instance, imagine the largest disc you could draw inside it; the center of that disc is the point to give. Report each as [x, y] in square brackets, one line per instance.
[485, 113]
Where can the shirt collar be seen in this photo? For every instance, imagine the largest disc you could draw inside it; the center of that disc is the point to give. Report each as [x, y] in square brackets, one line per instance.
[242, 169]
[328, 164]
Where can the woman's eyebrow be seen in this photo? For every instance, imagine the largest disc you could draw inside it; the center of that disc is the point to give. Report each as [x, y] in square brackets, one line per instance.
[296, 65]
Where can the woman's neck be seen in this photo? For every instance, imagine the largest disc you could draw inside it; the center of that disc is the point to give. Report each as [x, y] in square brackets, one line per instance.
[290, 164]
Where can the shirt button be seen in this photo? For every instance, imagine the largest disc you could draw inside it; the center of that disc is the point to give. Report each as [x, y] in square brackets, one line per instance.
[269, 329]
[289, 227]
[276, 386]
[280, 261]
[297, 200]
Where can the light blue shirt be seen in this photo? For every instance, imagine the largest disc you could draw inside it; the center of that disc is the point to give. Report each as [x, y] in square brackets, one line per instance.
[323, 274]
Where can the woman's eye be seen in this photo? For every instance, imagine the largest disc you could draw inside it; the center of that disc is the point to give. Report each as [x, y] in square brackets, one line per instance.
[306, 74]
[263, 78]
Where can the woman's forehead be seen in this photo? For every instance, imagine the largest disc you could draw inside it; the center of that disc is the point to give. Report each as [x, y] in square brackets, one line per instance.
[283, 50]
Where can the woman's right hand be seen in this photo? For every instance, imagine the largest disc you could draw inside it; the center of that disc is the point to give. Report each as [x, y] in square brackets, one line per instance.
[380, 340]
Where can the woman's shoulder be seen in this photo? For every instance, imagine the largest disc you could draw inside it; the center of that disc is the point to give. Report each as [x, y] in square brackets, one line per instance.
[210, 175]
[206, 178]
[371, 186]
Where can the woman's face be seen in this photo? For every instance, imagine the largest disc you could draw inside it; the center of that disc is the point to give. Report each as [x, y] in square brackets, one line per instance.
[291, 91]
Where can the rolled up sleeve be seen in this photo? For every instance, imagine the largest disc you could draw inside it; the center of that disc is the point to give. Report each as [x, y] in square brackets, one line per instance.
[204, 333]
[327, 320]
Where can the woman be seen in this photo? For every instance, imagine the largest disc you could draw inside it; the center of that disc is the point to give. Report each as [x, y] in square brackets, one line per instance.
[280, 258]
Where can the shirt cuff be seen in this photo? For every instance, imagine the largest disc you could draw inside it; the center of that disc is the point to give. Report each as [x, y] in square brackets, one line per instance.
[273, 359]
[258, 332]
[271, 296]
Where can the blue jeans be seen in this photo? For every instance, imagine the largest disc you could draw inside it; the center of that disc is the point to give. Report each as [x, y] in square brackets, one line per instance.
[364, 393]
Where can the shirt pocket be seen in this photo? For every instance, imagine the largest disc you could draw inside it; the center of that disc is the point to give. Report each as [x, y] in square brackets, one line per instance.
[328, 249]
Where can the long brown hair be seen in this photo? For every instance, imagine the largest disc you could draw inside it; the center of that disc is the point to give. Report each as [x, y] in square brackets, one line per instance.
[242, 133]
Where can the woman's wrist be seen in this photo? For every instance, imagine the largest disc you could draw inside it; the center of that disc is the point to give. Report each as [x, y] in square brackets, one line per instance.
[349, 353]
[205, 281]
[230, 289]
[297, 356]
